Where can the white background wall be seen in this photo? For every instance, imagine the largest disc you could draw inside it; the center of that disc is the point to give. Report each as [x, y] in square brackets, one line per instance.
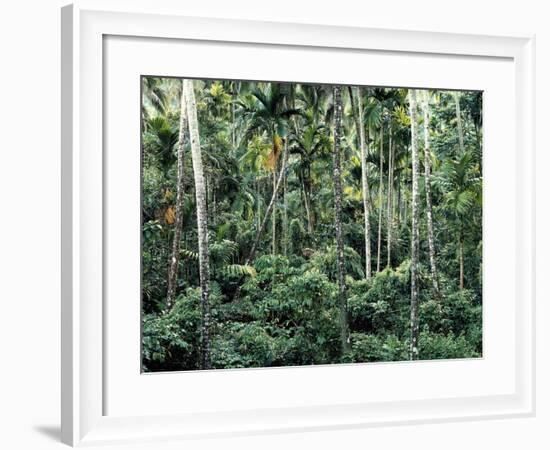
[29, 216]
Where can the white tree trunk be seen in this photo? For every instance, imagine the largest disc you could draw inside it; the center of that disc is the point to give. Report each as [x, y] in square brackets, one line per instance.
[274, 213]
[285, 212]
[380, 197]
[363, 144]
[258, 204]
[337, 186]
[459, 121]
[202, 225]
[427, 185]
[308, 207]
[174, 259]
[461, 260]
[389, 218]
[415, 232]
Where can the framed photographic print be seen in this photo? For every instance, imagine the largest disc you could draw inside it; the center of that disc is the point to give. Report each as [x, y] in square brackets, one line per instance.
[278, 227]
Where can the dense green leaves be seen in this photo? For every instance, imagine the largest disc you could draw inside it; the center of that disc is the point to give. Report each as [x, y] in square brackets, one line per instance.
[288, 315]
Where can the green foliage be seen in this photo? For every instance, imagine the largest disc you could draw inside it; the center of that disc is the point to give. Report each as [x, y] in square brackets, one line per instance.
[240, 269]
[288, 315]
[325, 261]
[375, 348]
[439, 346]
[171, 341]
[160, 138]
[243, 345]
[459, 313]
[381, 303]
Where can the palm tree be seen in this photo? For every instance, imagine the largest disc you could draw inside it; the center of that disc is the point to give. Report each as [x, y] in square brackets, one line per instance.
[161, 97]
[174, 260]
[202, 225]
[415, 231]
[365, 190]
[153, 98]
[380, 102]
[254, 160]
[310, 144]
[310, 139]
[394, 100]
[460, 181]
[380, 194]
[268, 209]
[427, 185]
[460, 131]
[337, 180]
[160, 137]
[389, 218]
[401, 158]
[269, 112]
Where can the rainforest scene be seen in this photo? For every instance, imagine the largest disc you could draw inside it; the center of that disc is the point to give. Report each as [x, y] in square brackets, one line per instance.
[294, 224]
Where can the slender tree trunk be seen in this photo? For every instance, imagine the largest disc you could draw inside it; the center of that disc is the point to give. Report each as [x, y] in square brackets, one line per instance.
[337, 180]
[202, 225]
[380, 197]
[274, 215]
[399, 200]
[394, 198]
[208, 192]
[213, 206]
[459, 122]
[365, 190]
[405, 208]
[308, 207]
[285, 212]
[415, 232]
[389, 219]
[311, 209]
[258, 204]
[233, 130]
[371, 200]
[174, 260]
[427, 185]
[268, 209]
[461, 260]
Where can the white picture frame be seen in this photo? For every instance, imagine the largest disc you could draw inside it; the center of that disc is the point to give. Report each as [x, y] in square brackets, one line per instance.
[85, 28]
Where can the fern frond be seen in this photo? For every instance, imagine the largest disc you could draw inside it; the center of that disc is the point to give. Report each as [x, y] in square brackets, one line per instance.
[239, 269]
[188, 254]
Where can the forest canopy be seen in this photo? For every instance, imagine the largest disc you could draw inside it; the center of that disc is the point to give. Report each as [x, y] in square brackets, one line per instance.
[289, 224]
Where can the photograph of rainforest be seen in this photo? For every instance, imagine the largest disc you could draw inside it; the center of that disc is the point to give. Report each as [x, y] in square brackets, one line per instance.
[296, 224]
